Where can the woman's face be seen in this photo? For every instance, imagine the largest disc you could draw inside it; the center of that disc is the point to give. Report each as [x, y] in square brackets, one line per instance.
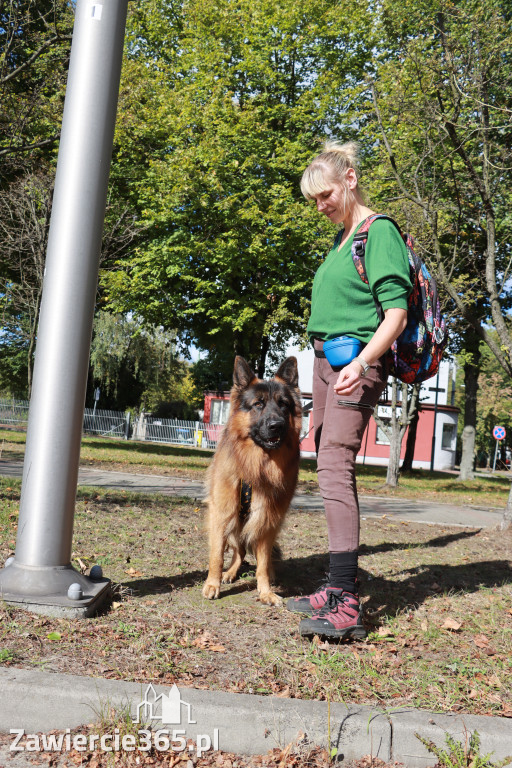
[332, 202]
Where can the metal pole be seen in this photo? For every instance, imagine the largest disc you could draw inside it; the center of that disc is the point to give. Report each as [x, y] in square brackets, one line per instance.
[41, 572]
[495, 455]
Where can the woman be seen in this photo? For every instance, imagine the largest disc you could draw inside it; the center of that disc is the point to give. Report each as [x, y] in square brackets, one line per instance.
[343, 400]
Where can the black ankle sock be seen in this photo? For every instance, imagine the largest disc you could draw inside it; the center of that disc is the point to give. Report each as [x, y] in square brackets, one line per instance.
[343, 571]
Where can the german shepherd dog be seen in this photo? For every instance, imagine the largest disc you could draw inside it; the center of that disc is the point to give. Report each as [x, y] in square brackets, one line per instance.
[257, 457]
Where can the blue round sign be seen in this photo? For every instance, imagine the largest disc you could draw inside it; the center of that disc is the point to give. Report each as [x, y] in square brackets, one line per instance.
[499, 433]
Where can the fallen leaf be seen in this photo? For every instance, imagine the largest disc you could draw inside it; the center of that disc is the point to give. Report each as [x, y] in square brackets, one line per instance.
[473, 694]
[54, 636]
[385, 632]
[481, 641]
[285, 693]
[133, 572]
[424, 626]
[451, 624]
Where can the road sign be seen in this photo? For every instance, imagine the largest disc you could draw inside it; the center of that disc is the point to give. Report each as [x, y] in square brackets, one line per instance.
[499, 433]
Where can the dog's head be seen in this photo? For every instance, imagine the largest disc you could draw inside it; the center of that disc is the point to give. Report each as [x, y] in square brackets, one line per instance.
[269, 409]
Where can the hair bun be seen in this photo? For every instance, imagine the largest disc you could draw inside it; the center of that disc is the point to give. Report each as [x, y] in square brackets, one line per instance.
[348, 150]
[330, 165]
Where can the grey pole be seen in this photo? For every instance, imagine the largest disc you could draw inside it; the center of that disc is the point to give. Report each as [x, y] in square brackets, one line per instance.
[41, 572]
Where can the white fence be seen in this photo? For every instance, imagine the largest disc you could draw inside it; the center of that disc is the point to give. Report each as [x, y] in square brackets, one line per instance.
[117, 424]
[107, 423]
[177, 432]
[14, 412]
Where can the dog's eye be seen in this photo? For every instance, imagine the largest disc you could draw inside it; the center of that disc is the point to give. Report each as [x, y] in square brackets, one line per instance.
[284, 404]
[258, 404]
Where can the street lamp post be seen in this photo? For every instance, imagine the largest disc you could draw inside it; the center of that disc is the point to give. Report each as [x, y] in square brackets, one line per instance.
[41, 577]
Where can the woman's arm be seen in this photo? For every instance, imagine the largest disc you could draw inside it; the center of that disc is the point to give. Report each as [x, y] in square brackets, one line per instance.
[391, 327]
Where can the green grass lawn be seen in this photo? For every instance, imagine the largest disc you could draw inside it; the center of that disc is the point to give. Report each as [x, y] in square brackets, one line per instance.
[486, 490]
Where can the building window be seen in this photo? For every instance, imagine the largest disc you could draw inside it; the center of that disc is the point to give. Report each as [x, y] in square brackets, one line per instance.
[382, 438]
[448, 435]
[220, 412]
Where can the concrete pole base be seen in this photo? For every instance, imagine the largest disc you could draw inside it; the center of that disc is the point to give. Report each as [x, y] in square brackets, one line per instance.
[44, 590]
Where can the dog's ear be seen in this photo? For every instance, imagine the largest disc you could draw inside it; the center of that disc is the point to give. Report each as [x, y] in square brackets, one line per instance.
[243, 375]
[288, 372]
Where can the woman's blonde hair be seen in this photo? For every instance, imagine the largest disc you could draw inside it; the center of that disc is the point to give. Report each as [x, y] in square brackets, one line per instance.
[330, 165]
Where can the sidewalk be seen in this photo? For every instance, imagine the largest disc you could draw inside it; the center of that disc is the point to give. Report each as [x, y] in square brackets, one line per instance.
[371, 506]
[38, 701]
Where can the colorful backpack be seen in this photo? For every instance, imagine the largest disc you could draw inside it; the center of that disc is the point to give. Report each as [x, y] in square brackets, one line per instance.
[416, 354]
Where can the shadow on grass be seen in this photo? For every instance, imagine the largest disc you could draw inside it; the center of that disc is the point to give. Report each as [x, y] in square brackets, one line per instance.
[155, 449]
[389, 598]
[159, 585]
[439, 541]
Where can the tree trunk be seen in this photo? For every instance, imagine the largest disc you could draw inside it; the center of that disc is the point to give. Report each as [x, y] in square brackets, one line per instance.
[411, 442]
[32, 343]
[506, 520]
[394, 459]
[468, 453]
[471, 371]
[265, 343]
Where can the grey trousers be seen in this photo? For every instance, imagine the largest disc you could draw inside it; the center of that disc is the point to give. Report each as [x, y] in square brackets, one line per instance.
[340, 422]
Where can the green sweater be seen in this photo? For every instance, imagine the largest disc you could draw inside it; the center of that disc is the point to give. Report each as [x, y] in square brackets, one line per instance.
[341, 304]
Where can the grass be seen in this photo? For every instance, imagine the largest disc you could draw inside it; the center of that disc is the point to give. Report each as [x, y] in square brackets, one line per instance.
[438, 604]
[154, 458]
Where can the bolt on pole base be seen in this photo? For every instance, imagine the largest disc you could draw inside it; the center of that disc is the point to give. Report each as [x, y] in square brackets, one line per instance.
[45, 590]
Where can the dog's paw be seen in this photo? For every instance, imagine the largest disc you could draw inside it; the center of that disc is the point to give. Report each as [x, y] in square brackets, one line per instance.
[211, 591]
[270, 598]
[228, 577]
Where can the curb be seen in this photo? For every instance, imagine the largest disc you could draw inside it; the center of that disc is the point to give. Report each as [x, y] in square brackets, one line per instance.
[39, 702]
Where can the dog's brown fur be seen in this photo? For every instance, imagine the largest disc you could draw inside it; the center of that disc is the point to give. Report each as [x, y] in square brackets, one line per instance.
[249, 451]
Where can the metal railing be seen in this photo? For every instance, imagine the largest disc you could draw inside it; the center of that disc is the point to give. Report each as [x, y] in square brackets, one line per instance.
[117, 424]
[106, 423]
[176, 432]
[14, 412]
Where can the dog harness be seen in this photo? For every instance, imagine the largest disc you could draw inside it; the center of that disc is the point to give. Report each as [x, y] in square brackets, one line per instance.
[245, 500]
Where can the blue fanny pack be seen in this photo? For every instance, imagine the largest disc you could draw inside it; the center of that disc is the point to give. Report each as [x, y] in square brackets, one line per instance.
[341, 350]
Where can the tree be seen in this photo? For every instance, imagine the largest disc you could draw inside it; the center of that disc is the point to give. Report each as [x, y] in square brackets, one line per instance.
[136, 366]
[494, 402]
[24, 221]
[442, 102]
[401, 417]
[239, 93]
[470, 358]
[35, 40]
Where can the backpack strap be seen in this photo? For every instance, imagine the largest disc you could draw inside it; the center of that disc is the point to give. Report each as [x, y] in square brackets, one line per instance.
[358, 252]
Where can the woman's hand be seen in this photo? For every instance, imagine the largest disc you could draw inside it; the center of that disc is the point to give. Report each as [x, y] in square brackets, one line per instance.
[349, 379]
[394, 322]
